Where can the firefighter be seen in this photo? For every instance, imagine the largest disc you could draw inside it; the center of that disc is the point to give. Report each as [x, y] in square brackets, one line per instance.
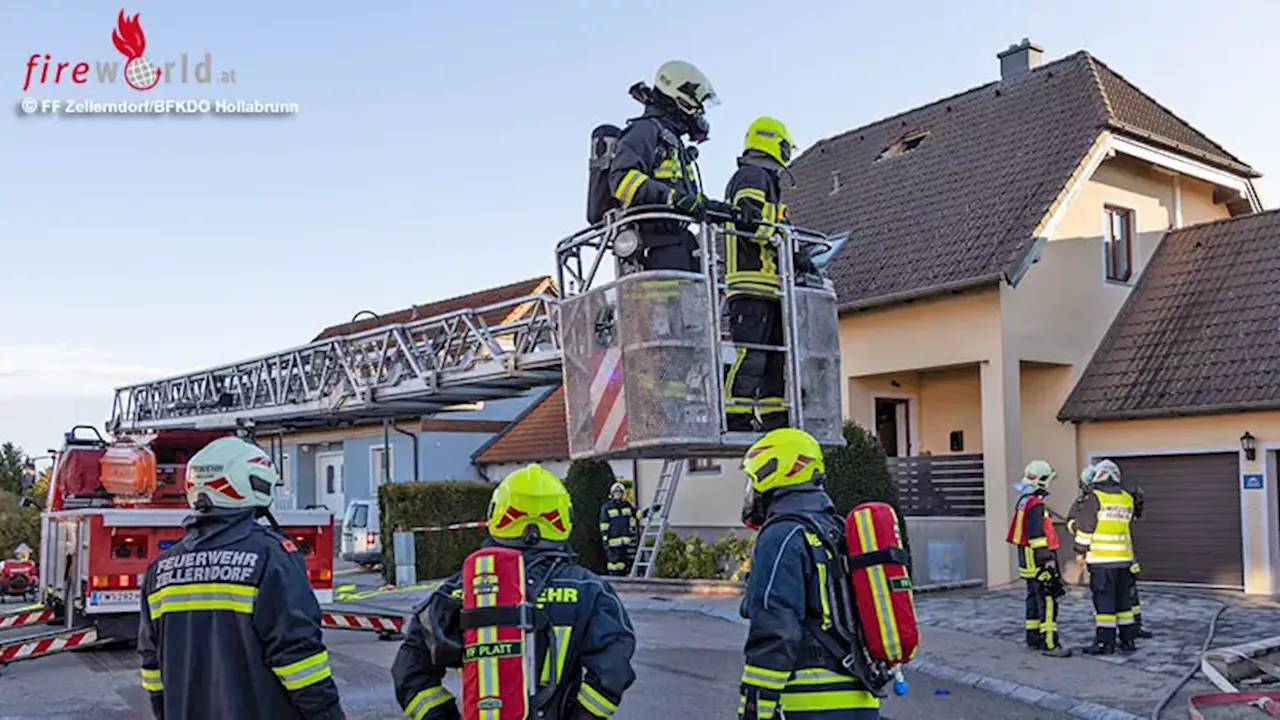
[594, 668]
[1033, 533]
[232, 600]
[1104, 537]
[652, 165]
[1082, 491]
[787, 667]
[617, 530]
[751, 274]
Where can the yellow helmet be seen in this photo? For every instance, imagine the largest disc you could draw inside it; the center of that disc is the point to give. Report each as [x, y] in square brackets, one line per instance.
[782, 458]
[770, 137]
[530, 498]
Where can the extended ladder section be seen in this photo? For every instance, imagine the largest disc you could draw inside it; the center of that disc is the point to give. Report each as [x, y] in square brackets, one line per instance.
[656, 517]
[396, 370]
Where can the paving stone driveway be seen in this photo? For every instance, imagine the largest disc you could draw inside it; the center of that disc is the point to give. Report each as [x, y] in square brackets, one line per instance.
[1179, 619]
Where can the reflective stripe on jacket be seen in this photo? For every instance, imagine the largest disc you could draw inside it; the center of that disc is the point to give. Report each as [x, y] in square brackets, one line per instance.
[231, 603]
[786, 666]
[751, 263]
[646, 169]
[1103, 529]
[617, 523]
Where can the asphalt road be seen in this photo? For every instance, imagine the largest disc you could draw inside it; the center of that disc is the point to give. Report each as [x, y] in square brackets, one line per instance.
[687, 666]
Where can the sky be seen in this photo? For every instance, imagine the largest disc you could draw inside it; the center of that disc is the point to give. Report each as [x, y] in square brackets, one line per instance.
[441, 149]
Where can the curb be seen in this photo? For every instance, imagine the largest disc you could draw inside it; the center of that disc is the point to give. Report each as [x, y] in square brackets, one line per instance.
[1026, 694]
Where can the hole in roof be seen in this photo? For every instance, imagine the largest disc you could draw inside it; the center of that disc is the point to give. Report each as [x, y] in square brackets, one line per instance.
[905, 144]
[821, 259]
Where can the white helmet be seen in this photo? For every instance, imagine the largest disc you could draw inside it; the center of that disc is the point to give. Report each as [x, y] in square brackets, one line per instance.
[687, 86]
[231, 473]
[1039, 474]
[1106, 471]
[1086, 475]
[617, 488]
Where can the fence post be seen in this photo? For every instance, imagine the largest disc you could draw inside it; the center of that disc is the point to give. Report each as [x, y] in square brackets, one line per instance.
[405, 555]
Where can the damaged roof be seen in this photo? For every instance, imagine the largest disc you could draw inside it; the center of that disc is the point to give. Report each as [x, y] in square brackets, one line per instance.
[952, 194]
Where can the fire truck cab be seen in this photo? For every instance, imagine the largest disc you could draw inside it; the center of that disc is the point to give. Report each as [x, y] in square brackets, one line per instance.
[113, 506]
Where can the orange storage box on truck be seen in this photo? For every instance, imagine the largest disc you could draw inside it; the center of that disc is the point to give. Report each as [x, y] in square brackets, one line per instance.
[129, 471]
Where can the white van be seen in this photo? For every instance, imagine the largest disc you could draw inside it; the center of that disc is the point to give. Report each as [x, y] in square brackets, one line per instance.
[361, 536]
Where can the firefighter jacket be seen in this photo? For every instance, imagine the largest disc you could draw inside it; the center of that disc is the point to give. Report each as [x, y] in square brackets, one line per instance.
[652, 167]
[1103, 528]
[230, 627]
[1033, 532]
[786, 602]
[617, 523]
[751, 263]
[594, 638]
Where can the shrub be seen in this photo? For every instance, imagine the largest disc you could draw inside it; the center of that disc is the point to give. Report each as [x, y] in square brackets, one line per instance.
[18, 525]
[435, 503]
[693, 558]
[588, 483]
[859, 472]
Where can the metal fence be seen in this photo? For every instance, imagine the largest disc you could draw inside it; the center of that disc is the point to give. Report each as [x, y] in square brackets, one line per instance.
[939, 485]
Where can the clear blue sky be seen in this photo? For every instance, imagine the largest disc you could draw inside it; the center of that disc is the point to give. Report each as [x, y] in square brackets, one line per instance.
[441, 149]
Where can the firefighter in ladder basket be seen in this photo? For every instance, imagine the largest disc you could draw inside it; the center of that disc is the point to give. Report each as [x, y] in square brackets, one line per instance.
[233, 597]
[756, 377]
[618, 530]
[579, 634]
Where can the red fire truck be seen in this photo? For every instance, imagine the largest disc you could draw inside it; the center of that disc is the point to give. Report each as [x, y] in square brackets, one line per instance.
[112, 507]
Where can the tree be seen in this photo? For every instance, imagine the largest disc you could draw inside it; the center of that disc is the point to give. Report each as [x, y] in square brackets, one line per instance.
[12, 463]
[859, 472]
[588, 484]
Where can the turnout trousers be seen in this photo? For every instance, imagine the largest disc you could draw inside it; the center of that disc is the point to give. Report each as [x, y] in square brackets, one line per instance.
[669, 249]
[1042, 617]
[1113, 605]
[756, 374]
[618, 559]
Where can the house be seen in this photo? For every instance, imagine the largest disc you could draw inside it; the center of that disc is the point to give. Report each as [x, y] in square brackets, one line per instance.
[992, 238]
[1183, 394]
[335, 466]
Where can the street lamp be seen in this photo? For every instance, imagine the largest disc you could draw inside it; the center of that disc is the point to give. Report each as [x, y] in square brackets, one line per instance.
[1249, 444]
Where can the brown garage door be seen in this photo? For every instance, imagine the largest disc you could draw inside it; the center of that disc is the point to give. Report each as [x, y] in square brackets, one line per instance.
[1190, 528]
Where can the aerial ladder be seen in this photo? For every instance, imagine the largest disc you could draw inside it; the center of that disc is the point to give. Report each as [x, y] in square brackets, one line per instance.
[645, 353]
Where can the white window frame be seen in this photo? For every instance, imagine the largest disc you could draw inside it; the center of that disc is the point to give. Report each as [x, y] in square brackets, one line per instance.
[908, 427]
[375, 474]
[705, 466]
[1107, 209]
[286, 481]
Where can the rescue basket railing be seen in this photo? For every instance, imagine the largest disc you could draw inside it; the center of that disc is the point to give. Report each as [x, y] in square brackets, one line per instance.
[491, 352]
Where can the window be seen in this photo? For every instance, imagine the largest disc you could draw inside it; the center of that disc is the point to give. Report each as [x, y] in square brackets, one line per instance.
[704, 465]
[1118, 243]
[380, 466]
[286, 484]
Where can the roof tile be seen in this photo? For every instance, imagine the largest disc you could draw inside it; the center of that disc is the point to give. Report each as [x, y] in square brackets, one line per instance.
[540, 435]
[1199, 334]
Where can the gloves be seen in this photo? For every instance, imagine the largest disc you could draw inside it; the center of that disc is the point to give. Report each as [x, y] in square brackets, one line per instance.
[687, 204]
[724, 209]
[750, 213]
[1136, 569]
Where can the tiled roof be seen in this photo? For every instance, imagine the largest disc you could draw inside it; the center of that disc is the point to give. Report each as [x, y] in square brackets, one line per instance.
[962, 207]
[1199, 334]
[541, 434]
[473, 300]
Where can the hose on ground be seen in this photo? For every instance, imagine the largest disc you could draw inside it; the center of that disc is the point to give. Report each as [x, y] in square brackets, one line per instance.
[1208, 640]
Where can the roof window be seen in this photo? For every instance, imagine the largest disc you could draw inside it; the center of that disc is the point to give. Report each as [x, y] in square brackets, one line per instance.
[905, 144]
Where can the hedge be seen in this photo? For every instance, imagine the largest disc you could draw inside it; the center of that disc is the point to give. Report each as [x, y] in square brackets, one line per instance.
[434, 503]
[588, 482]
[692, 558]
[859, 472]
[18, 525]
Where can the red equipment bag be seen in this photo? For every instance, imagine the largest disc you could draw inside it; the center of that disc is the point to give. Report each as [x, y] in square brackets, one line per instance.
[881, 585]
[497, 669]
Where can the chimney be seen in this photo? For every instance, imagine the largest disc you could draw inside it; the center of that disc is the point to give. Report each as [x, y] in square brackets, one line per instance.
[1019, 59]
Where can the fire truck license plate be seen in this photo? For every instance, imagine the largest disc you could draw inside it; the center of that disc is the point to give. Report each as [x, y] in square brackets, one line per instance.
[103, 598]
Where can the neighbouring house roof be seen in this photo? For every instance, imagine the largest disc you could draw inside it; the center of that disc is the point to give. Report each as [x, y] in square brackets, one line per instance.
[1199, 334]
[962, 207]
[541, 433]
[479, 299]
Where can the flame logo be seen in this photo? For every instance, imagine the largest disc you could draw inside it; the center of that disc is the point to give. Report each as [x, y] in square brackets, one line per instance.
[131, 41]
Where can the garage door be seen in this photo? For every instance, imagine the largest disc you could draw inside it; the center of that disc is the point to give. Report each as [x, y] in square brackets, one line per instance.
[1190, 528]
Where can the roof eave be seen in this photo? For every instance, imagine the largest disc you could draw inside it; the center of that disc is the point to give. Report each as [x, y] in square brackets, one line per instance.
[1185, 411]
[957, 286]
[1208, 158]
[506, 460]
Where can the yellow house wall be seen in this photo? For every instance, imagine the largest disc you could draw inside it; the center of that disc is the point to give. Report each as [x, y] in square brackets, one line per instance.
[1043, 390]
[951, 400]
[1211, 433]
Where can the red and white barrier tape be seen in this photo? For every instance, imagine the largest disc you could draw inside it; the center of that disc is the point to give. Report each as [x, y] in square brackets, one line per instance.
[439, 528]
[347, 621]
[26, 618]
[44, 646]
